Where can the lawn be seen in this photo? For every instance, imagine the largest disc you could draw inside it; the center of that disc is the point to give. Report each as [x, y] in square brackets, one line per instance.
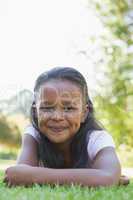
[65, 193]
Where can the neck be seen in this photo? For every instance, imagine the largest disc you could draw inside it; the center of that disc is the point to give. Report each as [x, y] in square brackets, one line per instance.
[63, 147]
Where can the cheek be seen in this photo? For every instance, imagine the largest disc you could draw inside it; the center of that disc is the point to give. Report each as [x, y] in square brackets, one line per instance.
[75, 120]
[42, 118]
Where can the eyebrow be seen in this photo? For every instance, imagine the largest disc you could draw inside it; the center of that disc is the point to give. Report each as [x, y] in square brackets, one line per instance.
[46, 102]
[65, 102]
[72, 103]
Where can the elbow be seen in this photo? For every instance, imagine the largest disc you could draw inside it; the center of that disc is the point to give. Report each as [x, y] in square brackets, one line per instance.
[110, 179]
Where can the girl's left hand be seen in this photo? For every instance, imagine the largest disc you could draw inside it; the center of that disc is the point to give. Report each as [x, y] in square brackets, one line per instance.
[124, 180]
[21, 174]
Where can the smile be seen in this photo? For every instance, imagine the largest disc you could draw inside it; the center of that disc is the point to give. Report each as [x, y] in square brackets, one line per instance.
[57, 129]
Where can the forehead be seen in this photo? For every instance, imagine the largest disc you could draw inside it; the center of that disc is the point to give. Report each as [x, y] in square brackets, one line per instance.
[59, 88]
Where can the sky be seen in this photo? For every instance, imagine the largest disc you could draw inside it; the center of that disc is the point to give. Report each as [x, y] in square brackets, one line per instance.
[36, 35]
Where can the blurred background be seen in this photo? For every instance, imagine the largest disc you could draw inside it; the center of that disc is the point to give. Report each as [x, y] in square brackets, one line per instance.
[94, 36]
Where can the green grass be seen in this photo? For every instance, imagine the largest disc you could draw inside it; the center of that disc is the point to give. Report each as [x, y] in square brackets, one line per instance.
[65, 193]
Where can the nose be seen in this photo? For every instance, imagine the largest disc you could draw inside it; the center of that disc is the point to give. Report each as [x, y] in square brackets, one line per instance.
[57, 115]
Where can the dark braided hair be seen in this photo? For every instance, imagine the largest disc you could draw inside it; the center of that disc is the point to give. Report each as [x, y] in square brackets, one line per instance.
[47, 152]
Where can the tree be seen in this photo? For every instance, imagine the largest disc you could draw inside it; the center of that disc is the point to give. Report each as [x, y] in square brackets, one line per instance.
[9, 133]
[116, 97]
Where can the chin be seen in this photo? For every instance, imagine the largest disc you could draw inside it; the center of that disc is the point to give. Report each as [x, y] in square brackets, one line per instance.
[57, 139]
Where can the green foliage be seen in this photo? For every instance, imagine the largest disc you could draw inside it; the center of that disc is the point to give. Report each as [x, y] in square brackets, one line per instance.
[9, 133]
[8, 155]
[116, 96]
[125, 154]
[65, 192]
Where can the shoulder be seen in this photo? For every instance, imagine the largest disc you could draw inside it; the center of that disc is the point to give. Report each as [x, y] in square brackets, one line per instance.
[98, 140]
[30, 130]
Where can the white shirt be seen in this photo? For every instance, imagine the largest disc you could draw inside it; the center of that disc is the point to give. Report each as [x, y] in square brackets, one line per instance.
[97, 140]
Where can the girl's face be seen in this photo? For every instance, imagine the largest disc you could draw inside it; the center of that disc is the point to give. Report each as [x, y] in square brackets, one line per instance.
[60, 110]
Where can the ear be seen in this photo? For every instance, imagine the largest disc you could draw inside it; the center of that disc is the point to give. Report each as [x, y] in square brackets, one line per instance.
[84, 114]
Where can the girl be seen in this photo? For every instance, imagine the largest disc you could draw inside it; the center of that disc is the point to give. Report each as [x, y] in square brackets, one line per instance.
[64, 144]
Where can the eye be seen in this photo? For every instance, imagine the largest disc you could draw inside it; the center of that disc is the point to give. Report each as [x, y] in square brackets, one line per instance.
[47, 109]
[68, 108]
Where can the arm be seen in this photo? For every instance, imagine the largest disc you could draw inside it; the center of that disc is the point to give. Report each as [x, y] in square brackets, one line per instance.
[29, 151]
[26, 159]
[105, 171]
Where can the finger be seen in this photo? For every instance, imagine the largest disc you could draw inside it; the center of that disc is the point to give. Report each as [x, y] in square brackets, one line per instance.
[12, 184]
[9, 184]
[124, 180]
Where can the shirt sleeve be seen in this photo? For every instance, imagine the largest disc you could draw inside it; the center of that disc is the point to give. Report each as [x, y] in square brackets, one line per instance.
[97, 141]
[33, 132]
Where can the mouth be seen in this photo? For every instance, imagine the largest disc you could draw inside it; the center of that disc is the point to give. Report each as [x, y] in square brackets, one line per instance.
[57, 129]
